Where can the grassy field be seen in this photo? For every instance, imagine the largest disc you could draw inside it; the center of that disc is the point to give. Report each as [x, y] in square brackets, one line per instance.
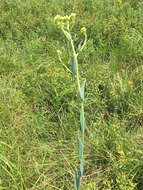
[39, 111]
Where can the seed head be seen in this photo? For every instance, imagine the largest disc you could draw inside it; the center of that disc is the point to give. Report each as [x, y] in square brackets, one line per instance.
[83, 30]
[72, 17]
[58, 20]
[59, 52]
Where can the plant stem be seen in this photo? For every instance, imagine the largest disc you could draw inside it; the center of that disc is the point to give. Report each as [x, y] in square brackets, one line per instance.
[77, 71]
[82, 112]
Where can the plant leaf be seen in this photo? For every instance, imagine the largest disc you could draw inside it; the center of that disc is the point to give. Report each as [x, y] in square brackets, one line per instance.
[81, 167]
[77, 180]
[80, 148]
[82, 88]
[74, 64]
[67, 35]
[82, 122]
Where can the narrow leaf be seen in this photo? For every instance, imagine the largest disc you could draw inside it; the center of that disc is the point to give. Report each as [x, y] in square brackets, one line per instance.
[80, 148]
[82, 122]
[74, 64]
[81, 167]
[77, 180]
[82, 88]
[68, 35]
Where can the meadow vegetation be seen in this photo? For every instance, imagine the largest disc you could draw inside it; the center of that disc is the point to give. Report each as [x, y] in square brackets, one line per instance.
[39, 109]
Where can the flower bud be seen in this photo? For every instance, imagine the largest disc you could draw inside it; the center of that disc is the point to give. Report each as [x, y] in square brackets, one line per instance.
[59, 52]
[72, 17]
[83, 30]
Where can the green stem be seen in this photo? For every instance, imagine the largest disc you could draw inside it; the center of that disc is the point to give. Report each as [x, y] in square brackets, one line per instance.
[77, 71]
[82, 102]
[85, 41]
[82, 111]
[64, 64]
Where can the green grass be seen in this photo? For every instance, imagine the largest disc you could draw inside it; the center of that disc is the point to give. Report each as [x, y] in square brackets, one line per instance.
[39, 115]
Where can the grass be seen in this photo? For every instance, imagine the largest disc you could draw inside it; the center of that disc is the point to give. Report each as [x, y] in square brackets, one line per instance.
[39, 115]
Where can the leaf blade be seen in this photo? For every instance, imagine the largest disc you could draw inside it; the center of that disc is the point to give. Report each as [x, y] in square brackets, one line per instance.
[74, 64]
[82, 122]
[80, 148]
[77, 180]
[81, 167]
[82, 89]
[67, 34]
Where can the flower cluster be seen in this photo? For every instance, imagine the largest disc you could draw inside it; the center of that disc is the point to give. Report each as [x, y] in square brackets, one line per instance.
[83, 31]
[65, 21]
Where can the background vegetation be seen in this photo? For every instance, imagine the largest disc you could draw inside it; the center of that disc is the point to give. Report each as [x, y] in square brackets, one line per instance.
[39, 116]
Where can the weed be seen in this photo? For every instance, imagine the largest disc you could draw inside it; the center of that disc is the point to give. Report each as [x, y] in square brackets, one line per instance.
[39, 111]
[64, 23]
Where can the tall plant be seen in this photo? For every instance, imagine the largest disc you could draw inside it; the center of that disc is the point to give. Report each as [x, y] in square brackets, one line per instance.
[64, 24]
